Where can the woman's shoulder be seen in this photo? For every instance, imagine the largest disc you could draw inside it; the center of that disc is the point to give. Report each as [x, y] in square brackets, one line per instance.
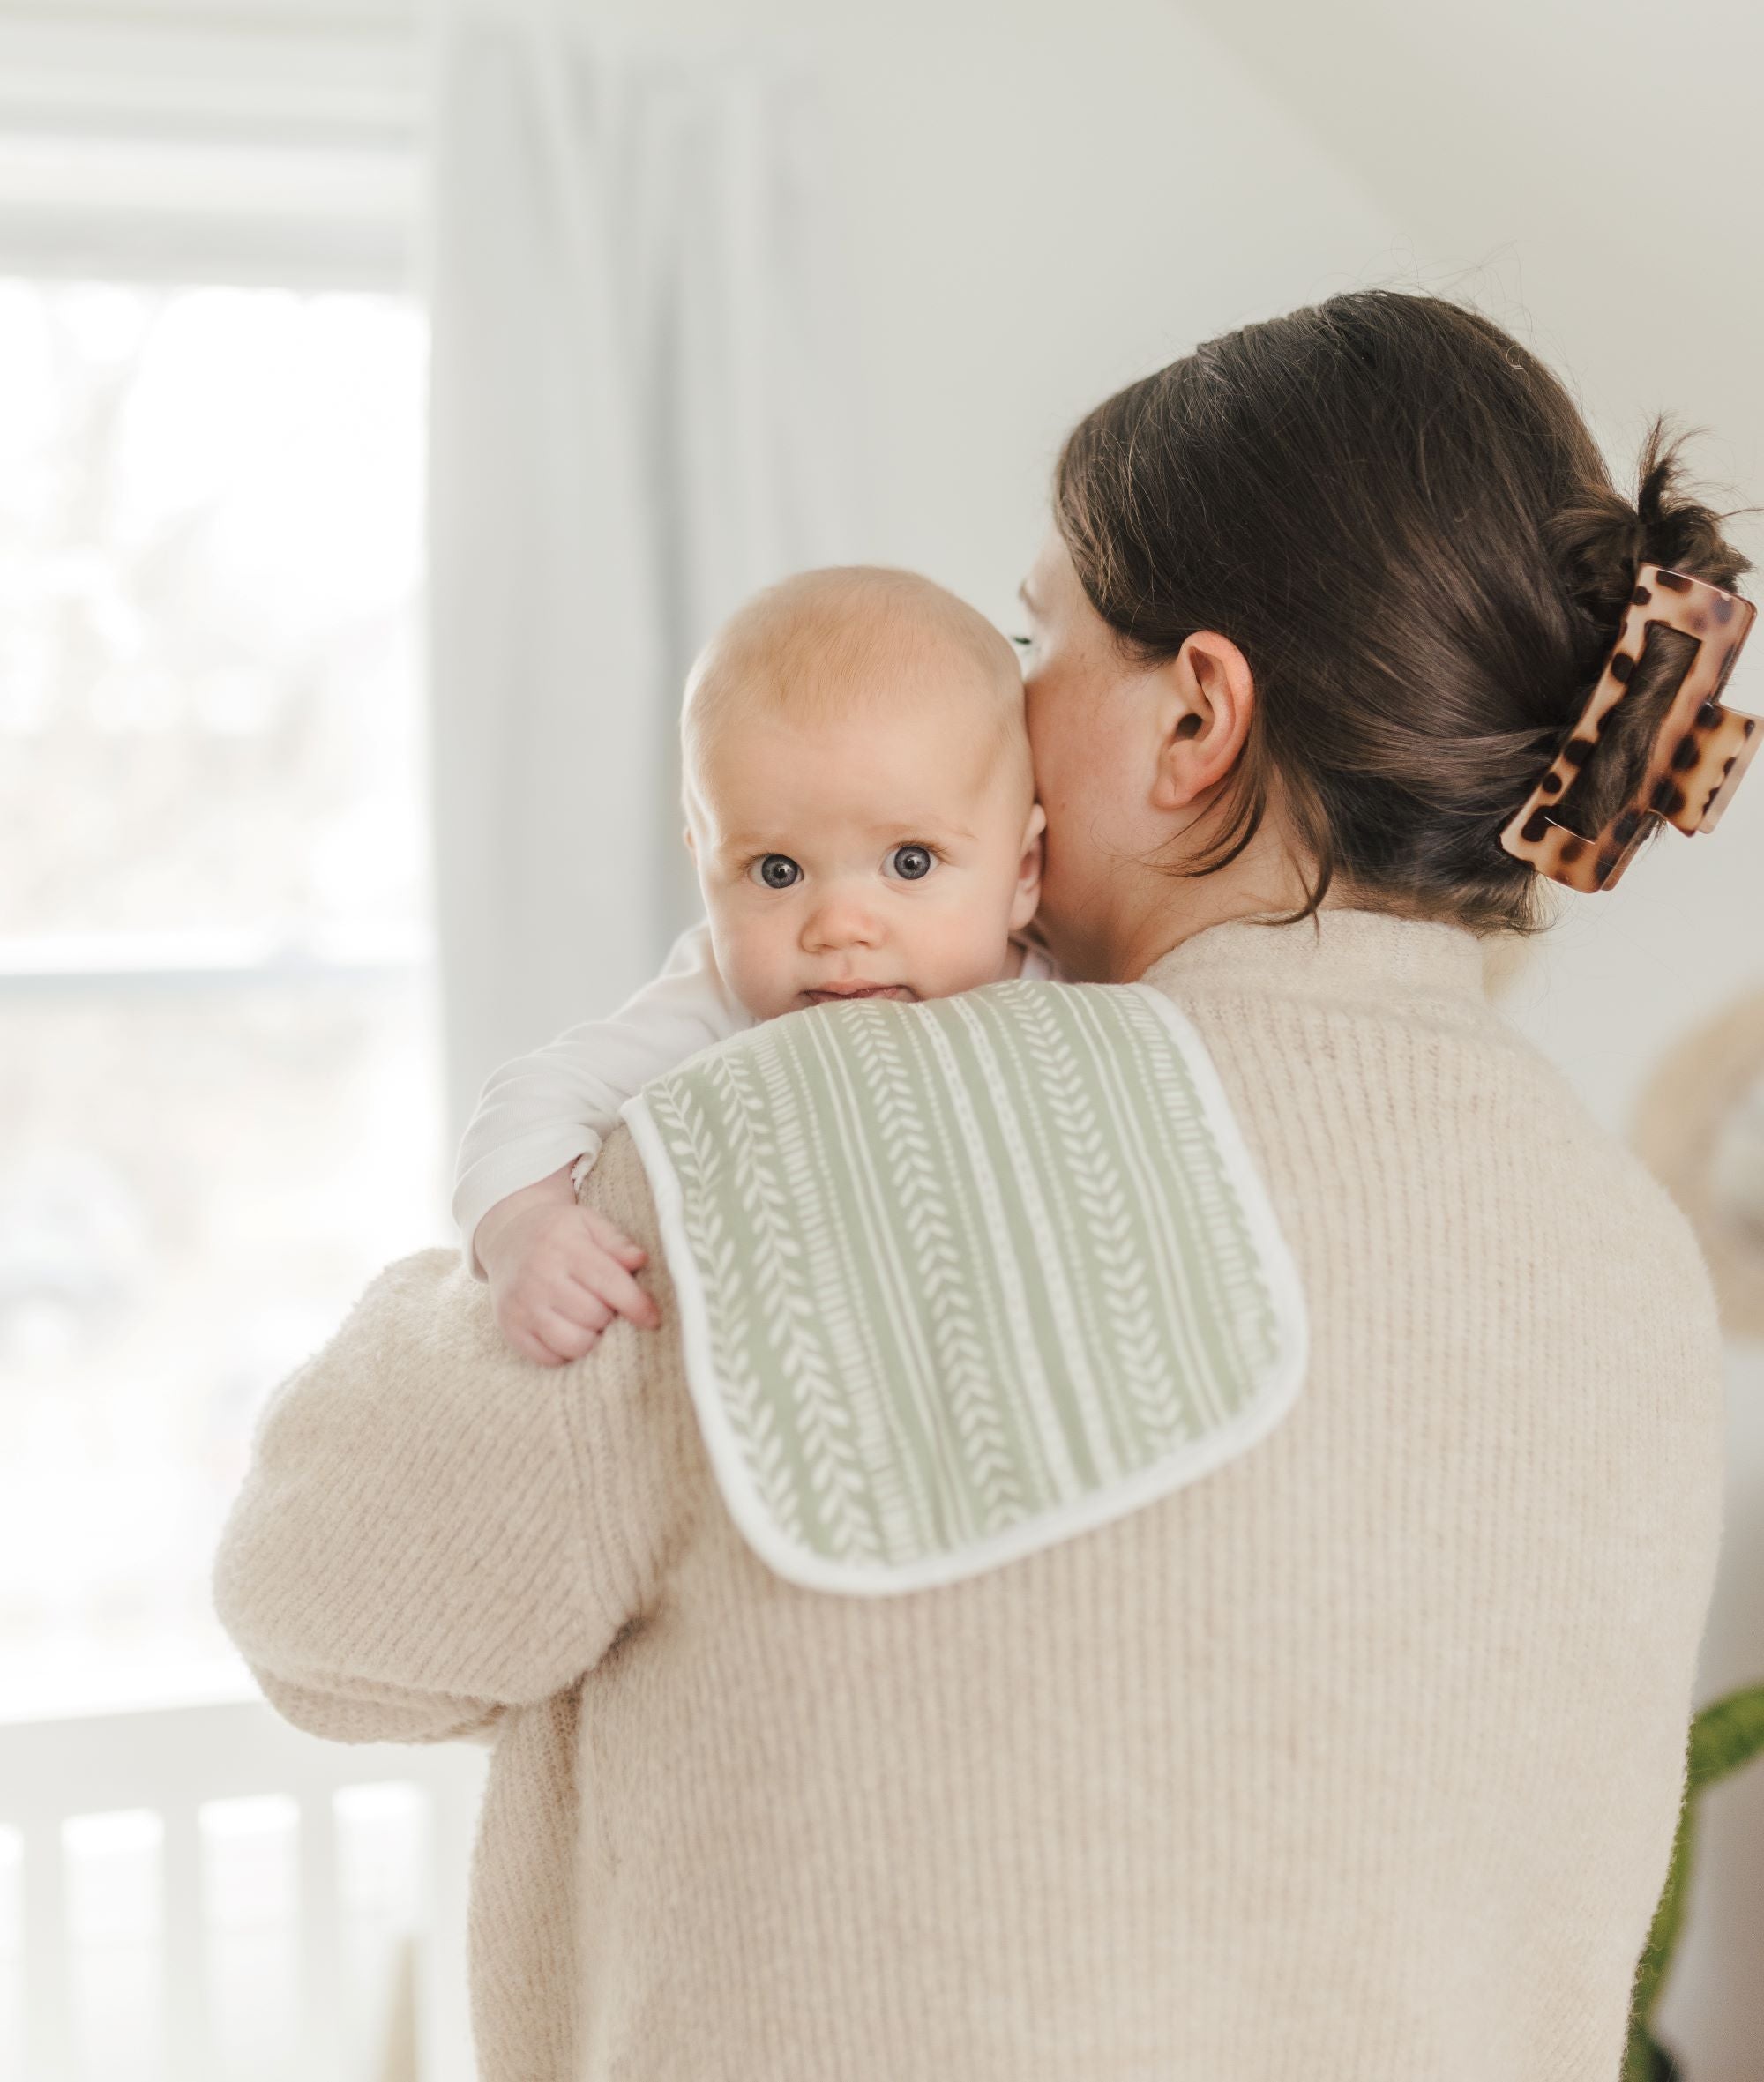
[1423, 1095]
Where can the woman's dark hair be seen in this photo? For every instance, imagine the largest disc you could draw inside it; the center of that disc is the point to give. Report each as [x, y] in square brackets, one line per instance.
[1400, 517]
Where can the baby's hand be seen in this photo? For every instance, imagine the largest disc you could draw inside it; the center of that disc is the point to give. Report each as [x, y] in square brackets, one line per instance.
[558, 1273]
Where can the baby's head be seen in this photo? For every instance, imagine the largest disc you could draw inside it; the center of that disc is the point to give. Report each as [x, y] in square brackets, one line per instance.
[859, 798]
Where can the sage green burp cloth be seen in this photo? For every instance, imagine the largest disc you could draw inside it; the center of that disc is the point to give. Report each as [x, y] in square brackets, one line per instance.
[959, 1280]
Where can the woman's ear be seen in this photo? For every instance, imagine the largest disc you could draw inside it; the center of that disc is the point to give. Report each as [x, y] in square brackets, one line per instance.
[1207, 696]
[1028, 890]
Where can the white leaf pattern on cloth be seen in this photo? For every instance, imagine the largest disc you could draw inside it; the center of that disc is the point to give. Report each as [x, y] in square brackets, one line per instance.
[961, 1280]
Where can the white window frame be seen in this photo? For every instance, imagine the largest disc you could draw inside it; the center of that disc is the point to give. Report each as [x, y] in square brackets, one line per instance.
[252, 153]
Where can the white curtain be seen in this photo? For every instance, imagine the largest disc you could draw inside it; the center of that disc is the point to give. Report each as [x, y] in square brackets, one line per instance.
[638, 415]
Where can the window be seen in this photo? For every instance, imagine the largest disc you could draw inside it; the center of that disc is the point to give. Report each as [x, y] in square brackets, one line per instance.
[220, 1106]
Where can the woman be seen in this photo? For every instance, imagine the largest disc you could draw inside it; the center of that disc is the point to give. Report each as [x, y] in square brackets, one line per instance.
[1358, 1756]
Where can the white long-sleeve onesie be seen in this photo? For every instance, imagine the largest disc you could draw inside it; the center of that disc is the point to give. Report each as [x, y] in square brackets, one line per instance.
[540, 1111]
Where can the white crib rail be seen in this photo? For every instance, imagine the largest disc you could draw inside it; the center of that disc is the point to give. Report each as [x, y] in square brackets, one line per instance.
[173, 1761]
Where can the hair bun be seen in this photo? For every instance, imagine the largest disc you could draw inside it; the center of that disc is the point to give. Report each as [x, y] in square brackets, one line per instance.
[1598, 542]
[1678, 530]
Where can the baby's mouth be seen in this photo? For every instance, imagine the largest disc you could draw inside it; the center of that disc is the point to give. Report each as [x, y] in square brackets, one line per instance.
[841, 993]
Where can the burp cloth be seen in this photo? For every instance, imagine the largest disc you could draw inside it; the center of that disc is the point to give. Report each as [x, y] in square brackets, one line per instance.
[962, 1278]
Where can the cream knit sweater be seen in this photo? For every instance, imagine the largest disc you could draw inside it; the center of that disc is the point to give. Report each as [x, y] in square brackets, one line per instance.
[1356, 1760]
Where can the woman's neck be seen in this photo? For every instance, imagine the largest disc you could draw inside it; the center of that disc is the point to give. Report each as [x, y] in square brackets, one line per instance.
[1261, 883]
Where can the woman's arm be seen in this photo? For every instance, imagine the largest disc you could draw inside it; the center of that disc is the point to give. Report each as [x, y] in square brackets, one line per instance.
[433, 1529]
[541, 1113]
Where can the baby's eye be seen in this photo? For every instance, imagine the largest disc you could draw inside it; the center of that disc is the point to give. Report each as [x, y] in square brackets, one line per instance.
[775, 870]
[911, 864]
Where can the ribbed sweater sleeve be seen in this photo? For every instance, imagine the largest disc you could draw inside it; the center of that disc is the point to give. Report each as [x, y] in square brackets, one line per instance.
[432, 1530]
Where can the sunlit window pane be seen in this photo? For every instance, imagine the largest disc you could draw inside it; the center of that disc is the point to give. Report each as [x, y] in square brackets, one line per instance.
[208, 556]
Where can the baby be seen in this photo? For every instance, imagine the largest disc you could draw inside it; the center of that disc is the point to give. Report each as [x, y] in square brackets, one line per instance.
[861, 809]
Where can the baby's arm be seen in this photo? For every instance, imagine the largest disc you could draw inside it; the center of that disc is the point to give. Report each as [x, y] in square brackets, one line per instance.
[558, 1273]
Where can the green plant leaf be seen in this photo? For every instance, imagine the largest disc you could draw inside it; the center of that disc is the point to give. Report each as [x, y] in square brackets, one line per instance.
[1663, 1937]
[1649, 2061]
[1724, 1736]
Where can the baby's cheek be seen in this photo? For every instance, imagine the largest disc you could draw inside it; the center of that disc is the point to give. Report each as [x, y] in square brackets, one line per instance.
[755, 958]
[965, 949]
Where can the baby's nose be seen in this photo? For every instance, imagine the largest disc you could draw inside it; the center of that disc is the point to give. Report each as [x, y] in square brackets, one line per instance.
[841, 919]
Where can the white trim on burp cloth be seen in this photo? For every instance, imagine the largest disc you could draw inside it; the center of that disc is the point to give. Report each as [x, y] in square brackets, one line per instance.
[959, 1280]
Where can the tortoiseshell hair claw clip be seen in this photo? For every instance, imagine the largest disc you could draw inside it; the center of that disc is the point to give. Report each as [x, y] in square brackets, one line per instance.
[1700, 750]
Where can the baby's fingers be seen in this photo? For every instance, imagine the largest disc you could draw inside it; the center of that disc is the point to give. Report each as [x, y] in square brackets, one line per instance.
[567, 1335]
[613, 1285]
[614, 1241]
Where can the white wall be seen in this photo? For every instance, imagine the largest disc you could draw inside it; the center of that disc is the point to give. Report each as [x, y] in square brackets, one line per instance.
[1045, 201]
